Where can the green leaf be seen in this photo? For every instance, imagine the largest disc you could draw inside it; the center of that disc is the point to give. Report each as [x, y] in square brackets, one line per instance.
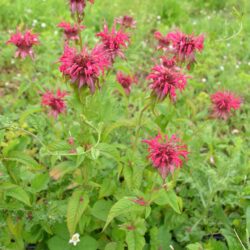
[40, 182]
[101, 209]
[78, 202]
[135, 240]
[164, 197]
[123, 206]
[61, 169]
[23, 158]
[195, 246]
[232, 241]
[17, 193]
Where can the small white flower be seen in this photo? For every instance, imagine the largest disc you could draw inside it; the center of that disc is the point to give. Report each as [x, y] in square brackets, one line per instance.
[159, 17]
[212, 160]
[237, 66]
[7, 83]
[75, 239]
[222, 68]
[203, 79]
[43, 25]
[56, 32]
[235, 131]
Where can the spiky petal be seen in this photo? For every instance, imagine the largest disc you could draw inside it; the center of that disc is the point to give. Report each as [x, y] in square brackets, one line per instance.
[85, 67]
[223, 104]
[166, 153]
[126, 81]
[71, 32]
[113, 42]
[24, 43]
[55, 102]
[166, 78]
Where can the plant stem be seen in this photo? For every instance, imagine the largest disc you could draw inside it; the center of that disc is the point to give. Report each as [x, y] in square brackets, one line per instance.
[139, 123]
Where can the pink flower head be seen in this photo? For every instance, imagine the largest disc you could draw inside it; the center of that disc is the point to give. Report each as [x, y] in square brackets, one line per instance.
[163, 41]
[140, 201]
[71, 32]
[56, 102]
[85, 67]
[125, 81]
[223, 103]
[127, 22]
[113, 41]
[166, 155]
[185, 46]
[166, 78]
[78, 5]
[24, 43]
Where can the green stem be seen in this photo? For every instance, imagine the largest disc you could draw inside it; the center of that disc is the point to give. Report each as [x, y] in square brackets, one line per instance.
[139, 123]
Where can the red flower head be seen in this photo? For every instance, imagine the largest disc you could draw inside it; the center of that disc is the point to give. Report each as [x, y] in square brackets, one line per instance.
[223, 103]
[78, 5]
[166, 155]
[71, 32]
[24, 43]
[166, 78]
[185, 46]
[85, 67]
[126, 81]
[55, 102]
[113, 41]
[126, 22]
[163, 41]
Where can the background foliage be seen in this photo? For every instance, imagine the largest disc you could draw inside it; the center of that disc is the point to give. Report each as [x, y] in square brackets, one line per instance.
[47, 195]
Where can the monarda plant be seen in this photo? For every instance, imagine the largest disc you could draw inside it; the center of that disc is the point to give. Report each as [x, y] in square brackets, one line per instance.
[94, 171]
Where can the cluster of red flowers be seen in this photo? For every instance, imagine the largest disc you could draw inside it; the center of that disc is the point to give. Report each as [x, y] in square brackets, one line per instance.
[71, 32]
[166, 155]
[55, 102]
[24, 43]
[84, 68]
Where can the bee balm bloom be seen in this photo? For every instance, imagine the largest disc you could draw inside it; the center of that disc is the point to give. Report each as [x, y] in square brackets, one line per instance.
[113, 41]
[71, 32]
[185, 46]
[75, 239]
[24, 43]
[85, 67]
[163, 41]
[166, 154]
[127, 22]
[78, 5]
[224, 103]
[56, 102]
[166, 79]
[125, 81]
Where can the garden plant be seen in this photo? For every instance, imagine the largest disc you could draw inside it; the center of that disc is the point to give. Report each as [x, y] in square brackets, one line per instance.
[124, 125]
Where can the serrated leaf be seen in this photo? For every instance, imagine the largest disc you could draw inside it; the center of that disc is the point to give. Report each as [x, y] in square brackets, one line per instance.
[101, 209]
[40, 182]
[17, 193]
[163, 197]
[135, 240]
[61, 169]
[24, 158]
[78, 202]
[123, 206]
[195, 246]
